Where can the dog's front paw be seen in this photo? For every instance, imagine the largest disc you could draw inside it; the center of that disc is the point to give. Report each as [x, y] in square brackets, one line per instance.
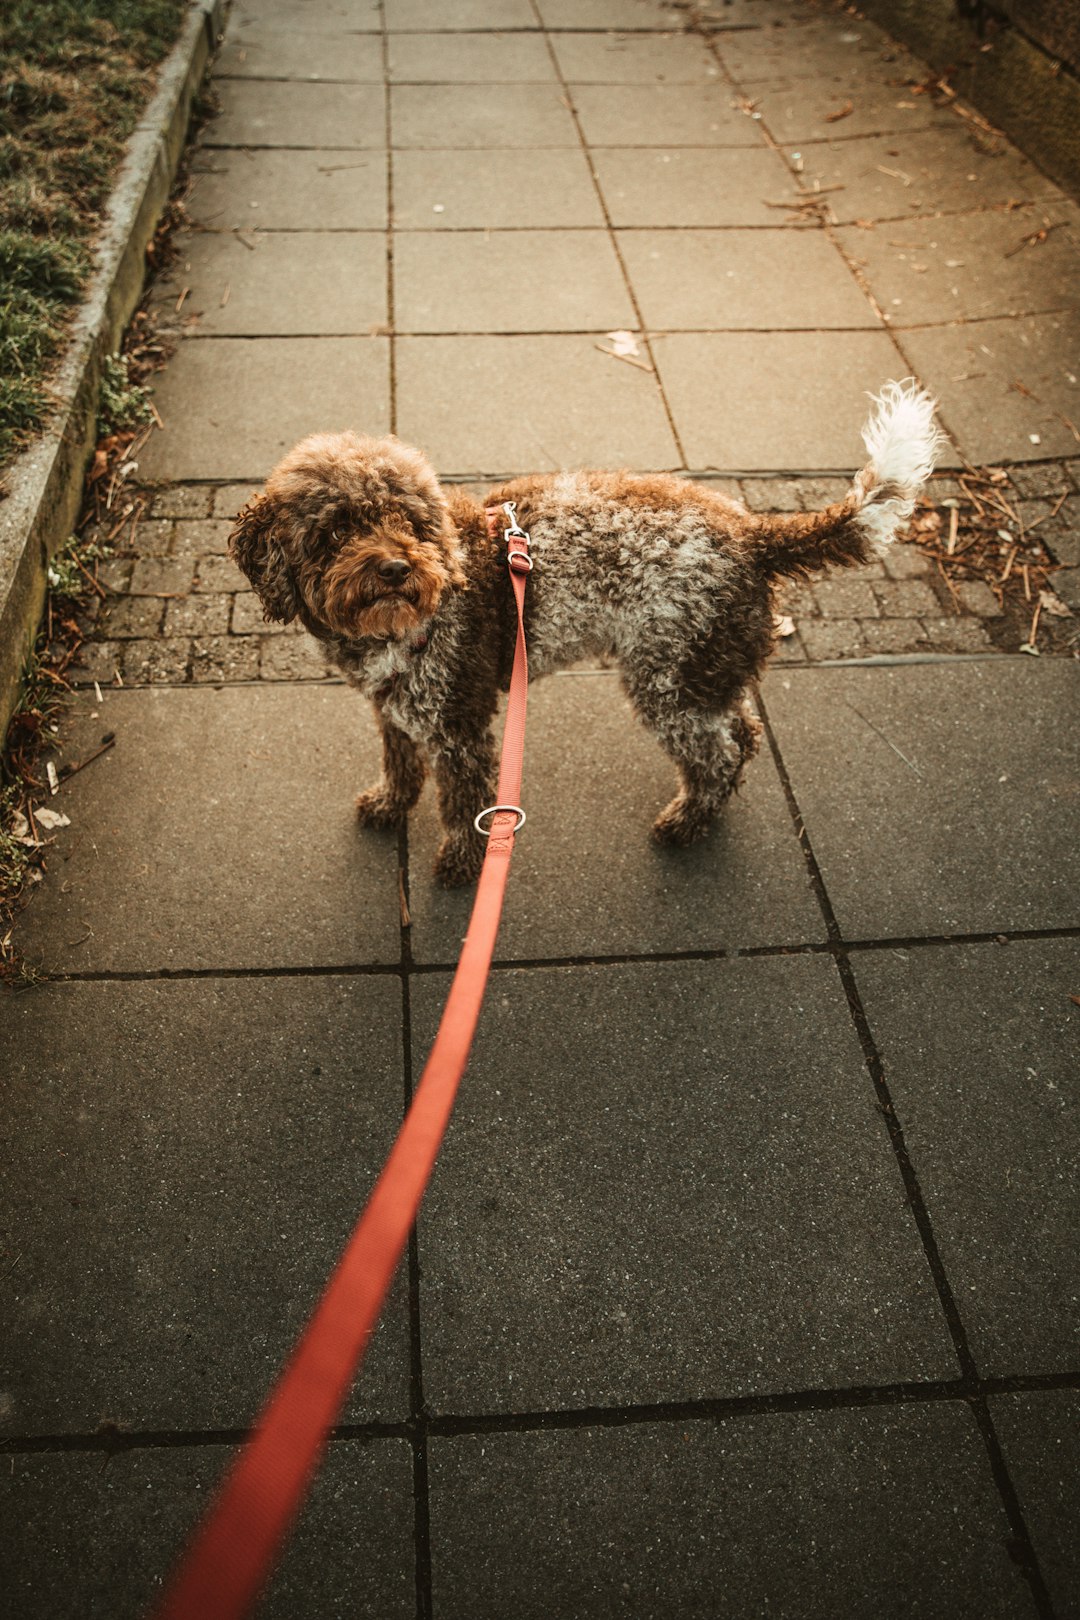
[376, 808]
[680, 823]
[459, 859]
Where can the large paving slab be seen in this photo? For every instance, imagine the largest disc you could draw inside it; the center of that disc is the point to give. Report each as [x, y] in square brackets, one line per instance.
[500, 189]
[278, 284]
[965, 267]
[271, 189]
[476, 59]
[622, 58]
[288, 52]
[666, 1182]
[415, 16]
[531, 281]
[849, 105]
[889, 1512]
[946, 169]
[193, 1155]
[1010, 389]
[621, 14]
[827, 47]
[662, 115]
[769, 401]
[743, 14]
[1040, 1436]
[87, 1537]
[233, 406]
[980, 1047]
[756, 279]
[218, 832]
[253, 19]
[686, 186]
[586, 881]
[434, 116]
[557, 403]
[938, 799]
[297, 114]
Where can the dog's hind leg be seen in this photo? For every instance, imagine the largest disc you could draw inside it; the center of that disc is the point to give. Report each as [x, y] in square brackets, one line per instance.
[711, 748]
[393, 796]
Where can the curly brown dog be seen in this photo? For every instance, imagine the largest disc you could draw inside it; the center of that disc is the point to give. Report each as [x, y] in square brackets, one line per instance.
[402, 583]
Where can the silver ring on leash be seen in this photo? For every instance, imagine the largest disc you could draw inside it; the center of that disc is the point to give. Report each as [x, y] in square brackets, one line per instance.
[485, 832]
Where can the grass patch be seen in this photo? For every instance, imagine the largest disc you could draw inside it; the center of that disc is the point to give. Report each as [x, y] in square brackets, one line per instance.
[75, 76]
[123, 404]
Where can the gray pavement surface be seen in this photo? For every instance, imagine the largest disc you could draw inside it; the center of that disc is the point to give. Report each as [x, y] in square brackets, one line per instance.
[748, 1280]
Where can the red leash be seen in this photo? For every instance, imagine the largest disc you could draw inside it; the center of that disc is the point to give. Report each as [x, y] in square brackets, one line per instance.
[234, 1549]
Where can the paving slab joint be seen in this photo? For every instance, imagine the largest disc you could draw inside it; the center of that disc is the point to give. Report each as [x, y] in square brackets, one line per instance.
[45, 480]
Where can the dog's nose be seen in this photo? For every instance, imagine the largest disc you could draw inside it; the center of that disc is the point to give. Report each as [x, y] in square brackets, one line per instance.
[394, 571]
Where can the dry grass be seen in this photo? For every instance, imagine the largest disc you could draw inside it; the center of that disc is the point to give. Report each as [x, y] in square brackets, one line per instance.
[74, 78]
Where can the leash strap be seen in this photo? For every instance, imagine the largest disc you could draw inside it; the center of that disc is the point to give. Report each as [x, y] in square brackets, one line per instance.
[236, 1546]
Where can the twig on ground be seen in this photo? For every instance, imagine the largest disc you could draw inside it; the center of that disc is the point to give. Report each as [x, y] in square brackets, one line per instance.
[107, 742]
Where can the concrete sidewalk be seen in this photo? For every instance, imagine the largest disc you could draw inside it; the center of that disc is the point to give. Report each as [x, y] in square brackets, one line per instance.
[748, 1282]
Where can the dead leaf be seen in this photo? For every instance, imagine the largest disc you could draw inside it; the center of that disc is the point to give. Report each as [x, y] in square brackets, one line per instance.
[841, 112]
[624, 344]
[52, 819]
[1054, 605]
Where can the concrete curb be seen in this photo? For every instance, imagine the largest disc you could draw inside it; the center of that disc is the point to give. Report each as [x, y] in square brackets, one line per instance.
[45, 481]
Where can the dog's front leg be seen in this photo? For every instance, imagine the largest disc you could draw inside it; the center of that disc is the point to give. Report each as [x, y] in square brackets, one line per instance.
[397, 790]
[466, 771]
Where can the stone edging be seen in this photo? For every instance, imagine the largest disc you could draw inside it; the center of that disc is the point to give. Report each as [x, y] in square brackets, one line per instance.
[45, 480]
[996, 67]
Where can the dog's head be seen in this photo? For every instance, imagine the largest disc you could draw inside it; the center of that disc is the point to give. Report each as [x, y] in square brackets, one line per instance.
[352, 533]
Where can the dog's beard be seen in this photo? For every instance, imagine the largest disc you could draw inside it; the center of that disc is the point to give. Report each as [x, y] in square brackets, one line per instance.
[356, 601]
[388, 619]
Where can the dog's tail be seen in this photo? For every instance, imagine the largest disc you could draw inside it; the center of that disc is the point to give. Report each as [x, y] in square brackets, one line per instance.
[903, 441]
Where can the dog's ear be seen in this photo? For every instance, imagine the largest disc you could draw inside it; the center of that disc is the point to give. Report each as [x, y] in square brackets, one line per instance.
[257, 551]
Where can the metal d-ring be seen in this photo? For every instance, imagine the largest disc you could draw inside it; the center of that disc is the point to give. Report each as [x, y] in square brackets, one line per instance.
[492, 809]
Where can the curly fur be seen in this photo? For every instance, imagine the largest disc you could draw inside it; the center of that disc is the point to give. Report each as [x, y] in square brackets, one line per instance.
[408, 593]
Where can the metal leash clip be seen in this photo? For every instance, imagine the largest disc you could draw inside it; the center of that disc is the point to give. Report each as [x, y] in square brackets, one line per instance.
[519, 560]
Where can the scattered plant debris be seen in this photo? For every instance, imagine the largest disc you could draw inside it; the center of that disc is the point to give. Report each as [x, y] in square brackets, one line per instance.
[981, 536]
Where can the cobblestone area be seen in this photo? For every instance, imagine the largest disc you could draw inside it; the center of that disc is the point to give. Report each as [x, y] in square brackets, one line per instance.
[176, 610]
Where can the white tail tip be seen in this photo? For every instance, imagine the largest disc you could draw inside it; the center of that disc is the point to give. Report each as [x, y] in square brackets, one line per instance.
[901, 437]
[903, 442]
